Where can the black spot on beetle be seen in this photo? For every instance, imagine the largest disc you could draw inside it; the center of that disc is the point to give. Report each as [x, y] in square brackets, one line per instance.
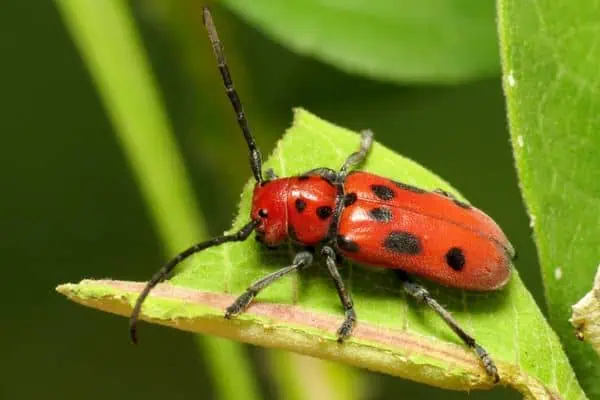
[346, 244]
[455, 258]
[405, 186]
[403, 242]
[381, 214]
[383, 192]
[303, 177]
[324, 212]
[349, 199]
[300, 205]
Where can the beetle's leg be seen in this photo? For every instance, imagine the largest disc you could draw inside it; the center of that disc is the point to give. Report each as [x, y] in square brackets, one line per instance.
[422, 295]
[350, 317]
[301, 260]
[366, 141]
[270, 174]
[326, 173]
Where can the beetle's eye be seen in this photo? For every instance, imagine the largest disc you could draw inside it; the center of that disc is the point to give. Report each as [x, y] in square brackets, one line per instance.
[263, 213]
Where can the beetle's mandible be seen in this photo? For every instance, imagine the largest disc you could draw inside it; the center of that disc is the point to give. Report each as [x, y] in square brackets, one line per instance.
[365, 218]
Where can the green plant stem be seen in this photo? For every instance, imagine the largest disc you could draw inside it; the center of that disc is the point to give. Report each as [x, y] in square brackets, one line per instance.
[107, 40]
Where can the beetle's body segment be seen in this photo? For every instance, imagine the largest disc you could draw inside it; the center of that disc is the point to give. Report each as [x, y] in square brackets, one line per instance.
[437, 225]
[363, 217]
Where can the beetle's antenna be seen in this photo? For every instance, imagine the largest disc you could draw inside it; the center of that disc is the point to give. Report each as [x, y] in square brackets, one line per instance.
[255, 157]
[164, 272]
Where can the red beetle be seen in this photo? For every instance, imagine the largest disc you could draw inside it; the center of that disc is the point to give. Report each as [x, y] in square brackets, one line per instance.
[365, 218]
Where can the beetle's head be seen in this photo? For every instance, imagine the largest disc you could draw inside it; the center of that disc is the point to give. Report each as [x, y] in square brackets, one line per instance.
[269, 208]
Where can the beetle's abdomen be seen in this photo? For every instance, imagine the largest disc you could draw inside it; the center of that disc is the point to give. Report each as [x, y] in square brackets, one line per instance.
[427, 234]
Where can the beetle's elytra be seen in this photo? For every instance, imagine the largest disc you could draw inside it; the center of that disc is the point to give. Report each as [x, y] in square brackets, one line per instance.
[364, 218]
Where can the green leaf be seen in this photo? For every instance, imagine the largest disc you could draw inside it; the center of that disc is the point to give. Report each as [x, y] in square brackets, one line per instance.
[416, 41]
[301, 313]
[551, 55]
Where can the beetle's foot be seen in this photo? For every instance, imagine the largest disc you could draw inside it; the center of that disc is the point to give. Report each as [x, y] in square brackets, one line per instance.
[347, 326]
[239, 305]
[488, 363]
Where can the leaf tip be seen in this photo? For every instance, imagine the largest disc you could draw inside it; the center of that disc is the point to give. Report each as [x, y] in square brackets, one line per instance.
[65, 288]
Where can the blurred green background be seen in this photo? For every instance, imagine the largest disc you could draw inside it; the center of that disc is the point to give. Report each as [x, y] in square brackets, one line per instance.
[70, 207]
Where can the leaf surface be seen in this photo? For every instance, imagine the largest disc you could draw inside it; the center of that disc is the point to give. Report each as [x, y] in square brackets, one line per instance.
[551, 53]
[301, 313]
[434, 41]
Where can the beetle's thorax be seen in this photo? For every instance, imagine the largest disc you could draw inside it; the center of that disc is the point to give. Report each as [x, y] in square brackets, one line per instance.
[299, 208]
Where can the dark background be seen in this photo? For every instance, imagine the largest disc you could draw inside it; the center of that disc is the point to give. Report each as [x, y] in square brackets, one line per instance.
[70, 209]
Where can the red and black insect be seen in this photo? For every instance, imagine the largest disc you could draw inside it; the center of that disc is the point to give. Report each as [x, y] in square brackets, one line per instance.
[364, 218]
